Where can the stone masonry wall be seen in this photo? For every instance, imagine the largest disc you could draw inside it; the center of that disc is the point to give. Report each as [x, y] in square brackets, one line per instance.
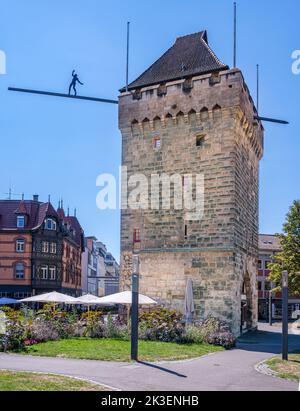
[219, 252]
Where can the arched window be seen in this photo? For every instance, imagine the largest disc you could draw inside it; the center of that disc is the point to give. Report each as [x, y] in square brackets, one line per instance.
[217, 112]
[19, 271]
[192, 117]
[157, 122]
[50, 224]
[204, 114]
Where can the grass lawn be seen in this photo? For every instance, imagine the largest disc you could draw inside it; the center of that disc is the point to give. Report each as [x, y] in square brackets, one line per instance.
[286, 369]
[23, 381]
[118, 350]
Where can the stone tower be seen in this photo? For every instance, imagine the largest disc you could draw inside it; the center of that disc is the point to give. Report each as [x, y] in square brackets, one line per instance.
[189, 114]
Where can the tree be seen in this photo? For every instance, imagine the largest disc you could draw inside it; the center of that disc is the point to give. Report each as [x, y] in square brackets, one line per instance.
[289, 256]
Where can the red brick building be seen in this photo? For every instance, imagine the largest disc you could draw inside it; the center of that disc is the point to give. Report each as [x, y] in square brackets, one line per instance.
[40, 249]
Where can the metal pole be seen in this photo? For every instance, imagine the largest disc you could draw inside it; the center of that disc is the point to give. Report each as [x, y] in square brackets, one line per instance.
[135, 309]
[285, 329]
[127, 55]
[257, 88]
[270, 309]
[234, 36]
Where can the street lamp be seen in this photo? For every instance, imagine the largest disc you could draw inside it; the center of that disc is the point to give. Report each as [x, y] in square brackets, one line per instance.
[135, 308]
[285, 319]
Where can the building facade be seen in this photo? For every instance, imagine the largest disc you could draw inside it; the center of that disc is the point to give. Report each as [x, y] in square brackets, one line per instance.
[269, 245]
[189, 114]
[40, 249]
[100, 270]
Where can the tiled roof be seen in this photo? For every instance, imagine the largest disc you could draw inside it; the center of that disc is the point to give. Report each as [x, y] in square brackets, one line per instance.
[36, 213]
[8, 209]
[189, 56]
[75, 225]
[268, 242]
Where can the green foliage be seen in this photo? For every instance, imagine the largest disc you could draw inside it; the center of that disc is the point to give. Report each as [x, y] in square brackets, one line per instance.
[161, 324]
[289, 258]
[115, 329]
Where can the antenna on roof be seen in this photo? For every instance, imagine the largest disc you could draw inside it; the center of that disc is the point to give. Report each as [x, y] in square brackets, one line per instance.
[68, 212]
[22, 196]
[49, 198]
[234, 36]
[257, 87]
[127, 55]
[75, 212]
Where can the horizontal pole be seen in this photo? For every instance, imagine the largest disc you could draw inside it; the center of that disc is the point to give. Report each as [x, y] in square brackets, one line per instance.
[48, 93]
[271, 120]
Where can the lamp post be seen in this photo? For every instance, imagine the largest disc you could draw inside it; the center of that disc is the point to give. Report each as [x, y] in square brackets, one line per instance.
[135, 308]
[285, 326]
[270, 309]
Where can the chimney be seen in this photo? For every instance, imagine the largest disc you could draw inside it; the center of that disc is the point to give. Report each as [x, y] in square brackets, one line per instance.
[35, 197]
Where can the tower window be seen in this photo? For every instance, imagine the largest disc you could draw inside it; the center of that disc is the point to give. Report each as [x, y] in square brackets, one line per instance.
[157, 143]
[185, 232]
[200, 140]
[136, 235]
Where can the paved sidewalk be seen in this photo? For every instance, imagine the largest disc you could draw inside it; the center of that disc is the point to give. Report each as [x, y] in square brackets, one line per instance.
[223, 371]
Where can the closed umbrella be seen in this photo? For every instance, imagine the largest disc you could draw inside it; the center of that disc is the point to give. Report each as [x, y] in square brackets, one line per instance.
[189, 302]
[8, 301]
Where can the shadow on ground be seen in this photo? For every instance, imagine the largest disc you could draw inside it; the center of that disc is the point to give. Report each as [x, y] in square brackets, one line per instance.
[267, 341]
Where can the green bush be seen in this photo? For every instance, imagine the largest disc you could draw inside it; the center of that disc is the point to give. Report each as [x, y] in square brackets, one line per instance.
[161, 324]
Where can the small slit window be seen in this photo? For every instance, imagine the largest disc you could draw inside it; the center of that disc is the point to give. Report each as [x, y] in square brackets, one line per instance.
[157, 143]
[200, 140]
[136, 235]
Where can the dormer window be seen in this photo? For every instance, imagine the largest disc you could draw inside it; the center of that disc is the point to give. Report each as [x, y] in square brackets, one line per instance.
[50, 224]
[20, 221]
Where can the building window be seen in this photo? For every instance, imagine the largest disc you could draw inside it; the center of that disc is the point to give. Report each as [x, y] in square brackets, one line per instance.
[200, 140]
[50, 224]
[20, 246]
[267, 262]
[259, 286]
[137, 235]
[52, 273]
[45, 247]
[260, 265]
[268, 286]
[20, 271]
[53, 248]
[44, 272]
[157, 143]
[20, 221]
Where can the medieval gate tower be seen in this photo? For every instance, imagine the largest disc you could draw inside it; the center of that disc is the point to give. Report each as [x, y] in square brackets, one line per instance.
[190, 114]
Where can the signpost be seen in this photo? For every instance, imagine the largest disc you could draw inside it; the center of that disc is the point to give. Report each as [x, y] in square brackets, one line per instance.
[285, 325]
[135, 308]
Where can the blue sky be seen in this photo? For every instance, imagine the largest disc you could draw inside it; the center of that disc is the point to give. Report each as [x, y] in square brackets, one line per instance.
[59, 147]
